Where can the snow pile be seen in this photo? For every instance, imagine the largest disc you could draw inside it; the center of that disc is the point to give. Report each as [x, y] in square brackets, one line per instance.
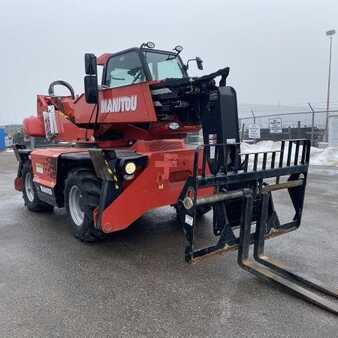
[327, 156]
[258, 147]
[323, 157]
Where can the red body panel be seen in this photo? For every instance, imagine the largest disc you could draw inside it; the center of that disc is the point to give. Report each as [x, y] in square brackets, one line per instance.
[33, 126]
[143, 112]
[102, 59]
[160, 183]
[120, 109]
[44, 164]
[18, 183]
[70, 132]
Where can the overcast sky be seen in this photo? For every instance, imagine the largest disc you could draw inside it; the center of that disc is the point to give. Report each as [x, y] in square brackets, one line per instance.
[277, 50]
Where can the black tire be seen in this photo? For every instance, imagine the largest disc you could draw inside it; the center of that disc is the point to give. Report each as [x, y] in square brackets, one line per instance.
[29, 192]
[85, 183]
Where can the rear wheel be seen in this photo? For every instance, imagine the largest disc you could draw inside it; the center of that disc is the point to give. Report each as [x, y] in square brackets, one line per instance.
[82, 196]
[29, 193]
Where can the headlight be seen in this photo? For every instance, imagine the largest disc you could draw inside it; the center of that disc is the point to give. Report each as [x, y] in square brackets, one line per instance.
[130, 168]
[174, 125]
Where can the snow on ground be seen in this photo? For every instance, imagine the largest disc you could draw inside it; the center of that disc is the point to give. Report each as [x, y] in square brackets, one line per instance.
[324, 157]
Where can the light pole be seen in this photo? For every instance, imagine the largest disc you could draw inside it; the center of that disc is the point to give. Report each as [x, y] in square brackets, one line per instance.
[254, 117]
[330, 34]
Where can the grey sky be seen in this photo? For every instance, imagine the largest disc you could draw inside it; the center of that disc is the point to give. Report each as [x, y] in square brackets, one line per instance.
[277, 50]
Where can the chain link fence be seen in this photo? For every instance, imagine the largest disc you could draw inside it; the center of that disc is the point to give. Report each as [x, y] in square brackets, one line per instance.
[309, 124]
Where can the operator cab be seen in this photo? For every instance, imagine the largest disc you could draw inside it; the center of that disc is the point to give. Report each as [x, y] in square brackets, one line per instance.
[141, 64]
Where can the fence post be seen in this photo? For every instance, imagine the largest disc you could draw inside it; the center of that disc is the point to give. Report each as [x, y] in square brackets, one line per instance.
[298, 129]
[242, 131]
[289, 133]
[313, 124]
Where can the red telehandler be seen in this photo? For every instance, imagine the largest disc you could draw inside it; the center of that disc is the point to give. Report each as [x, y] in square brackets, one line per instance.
[119, 150]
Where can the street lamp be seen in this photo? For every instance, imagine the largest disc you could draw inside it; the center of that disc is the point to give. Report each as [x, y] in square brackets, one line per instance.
[330, 34]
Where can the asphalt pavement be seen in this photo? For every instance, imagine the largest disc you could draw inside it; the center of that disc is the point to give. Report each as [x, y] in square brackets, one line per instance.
[136, 283]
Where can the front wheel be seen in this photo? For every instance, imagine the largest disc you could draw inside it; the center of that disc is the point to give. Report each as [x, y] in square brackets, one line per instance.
[82, 196]
[30, 196]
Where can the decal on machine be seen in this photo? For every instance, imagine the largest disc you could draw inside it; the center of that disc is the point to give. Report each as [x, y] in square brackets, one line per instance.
[39, 168]
[119, 104]
[46, 190]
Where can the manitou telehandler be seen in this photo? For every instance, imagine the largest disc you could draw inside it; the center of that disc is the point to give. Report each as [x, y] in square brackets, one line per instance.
[119, 150]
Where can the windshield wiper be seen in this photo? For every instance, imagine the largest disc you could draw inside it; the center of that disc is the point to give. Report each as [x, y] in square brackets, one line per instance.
[138, 75]
[172, 57]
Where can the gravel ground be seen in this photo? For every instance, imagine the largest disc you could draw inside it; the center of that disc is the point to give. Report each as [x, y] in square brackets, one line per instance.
[137, 284]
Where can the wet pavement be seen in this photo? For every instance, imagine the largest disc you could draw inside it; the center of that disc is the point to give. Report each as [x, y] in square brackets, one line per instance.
[136, 283]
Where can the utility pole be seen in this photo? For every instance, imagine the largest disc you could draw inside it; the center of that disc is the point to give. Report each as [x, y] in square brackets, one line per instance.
[330, 34]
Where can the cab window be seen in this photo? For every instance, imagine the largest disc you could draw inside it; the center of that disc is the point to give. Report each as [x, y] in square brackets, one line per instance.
[124, 69]
[163, 65]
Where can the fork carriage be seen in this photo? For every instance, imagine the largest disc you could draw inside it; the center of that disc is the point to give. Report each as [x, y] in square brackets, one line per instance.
[243, 184]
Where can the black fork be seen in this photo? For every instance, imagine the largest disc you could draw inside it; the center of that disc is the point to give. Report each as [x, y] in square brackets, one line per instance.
[272, 271]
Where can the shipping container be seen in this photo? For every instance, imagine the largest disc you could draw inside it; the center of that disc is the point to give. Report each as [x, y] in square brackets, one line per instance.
[2, 139]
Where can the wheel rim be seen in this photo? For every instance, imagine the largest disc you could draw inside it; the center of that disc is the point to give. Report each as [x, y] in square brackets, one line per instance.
[74, 205]
[29, 189]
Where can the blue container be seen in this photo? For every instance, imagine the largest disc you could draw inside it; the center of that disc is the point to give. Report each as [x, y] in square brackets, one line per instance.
[2, 139]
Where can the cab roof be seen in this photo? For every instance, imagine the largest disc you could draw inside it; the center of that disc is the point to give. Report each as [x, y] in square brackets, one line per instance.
[102, 59]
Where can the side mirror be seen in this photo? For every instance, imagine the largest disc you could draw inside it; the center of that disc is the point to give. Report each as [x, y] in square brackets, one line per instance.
[90, 80]
[90, 64]
[91, 90]
[199, 62]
